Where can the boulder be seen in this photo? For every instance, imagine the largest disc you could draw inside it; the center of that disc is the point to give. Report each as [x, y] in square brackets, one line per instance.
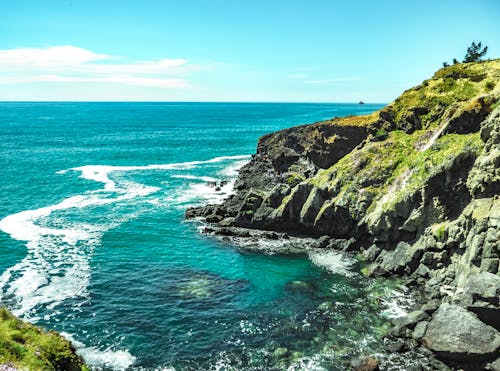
[403, 259]
[458, 335]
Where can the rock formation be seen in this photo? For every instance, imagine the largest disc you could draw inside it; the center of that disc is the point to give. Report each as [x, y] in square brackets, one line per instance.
[413, 189]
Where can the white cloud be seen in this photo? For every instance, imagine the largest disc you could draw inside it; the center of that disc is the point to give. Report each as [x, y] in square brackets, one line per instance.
[56, 56]
[70, 64]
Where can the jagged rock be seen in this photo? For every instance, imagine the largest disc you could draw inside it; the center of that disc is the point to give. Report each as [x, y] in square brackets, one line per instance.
[411, 319]
[468, 119]
[431, 306]
[480, 293]
[413, 187]
[457, 334]
[333, 220]
[403, 259]
[311, 206]
[484, 178]
[420, 330]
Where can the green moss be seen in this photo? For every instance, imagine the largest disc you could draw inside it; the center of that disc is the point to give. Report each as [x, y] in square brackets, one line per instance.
[294, 178]
[449, 87]
[389, 171]
[28, 347]
[440, 231]
[415, 166]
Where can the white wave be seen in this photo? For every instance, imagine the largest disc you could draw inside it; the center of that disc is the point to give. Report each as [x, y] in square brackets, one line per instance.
[333, 261]
[231, 171]
[194, 177]
[396, 303]
[115, 359]
[100, 173]
[57, 264]
[196, 193]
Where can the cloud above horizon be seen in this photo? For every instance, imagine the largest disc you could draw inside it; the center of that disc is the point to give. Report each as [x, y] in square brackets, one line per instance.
[71, 64]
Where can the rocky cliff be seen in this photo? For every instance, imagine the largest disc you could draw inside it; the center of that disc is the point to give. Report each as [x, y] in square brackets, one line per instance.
[26, 347]
[413, 189]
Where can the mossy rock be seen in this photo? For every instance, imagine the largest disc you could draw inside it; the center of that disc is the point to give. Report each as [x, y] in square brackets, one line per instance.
[25, 346]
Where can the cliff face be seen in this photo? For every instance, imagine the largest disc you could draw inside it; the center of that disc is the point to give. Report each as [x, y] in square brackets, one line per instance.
[413, 188]
[26, 347]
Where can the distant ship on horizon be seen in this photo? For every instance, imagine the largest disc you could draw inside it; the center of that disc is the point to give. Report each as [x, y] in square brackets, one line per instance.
[361, 102]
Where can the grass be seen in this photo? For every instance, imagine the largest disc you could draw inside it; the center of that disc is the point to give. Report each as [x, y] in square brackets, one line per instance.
[371, 170]
[25, 346]
[391, 165]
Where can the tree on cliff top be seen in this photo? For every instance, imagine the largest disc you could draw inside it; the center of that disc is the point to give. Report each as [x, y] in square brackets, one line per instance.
[475, 52]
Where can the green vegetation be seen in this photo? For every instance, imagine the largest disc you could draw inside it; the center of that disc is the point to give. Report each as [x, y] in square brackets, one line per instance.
[425, 105]
[294, 178]
[440, 231]
[25, 346]
[475, 52]
[368, 174]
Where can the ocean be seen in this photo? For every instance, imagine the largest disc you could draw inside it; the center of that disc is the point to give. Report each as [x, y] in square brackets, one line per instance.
[94, 244]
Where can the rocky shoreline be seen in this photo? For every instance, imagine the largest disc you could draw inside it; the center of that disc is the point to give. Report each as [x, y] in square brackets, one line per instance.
[414, 191]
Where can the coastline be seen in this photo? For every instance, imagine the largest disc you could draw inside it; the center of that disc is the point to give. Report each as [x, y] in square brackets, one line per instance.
[414, 191]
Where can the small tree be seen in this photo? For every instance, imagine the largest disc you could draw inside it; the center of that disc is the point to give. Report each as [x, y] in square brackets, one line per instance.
[475, 52]
[445, 64]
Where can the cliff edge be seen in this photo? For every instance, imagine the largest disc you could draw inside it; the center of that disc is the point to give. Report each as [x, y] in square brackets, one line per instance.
[26, 347]
[413, 189]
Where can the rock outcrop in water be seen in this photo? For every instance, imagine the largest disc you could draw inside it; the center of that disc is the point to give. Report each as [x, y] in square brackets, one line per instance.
[413, 189]
[26, 347]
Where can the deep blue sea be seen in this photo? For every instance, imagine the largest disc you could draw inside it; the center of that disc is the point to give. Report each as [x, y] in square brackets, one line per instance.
[93, 242]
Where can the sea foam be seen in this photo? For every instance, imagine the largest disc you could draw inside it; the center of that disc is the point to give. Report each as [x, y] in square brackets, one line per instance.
[57, 264]
[333, 261]
[109, 357]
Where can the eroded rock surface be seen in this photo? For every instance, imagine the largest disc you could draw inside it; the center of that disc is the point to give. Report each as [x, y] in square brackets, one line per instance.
[414, 189]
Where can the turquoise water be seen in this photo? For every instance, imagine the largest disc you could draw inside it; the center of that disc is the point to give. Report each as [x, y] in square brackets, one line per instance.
[94, 243]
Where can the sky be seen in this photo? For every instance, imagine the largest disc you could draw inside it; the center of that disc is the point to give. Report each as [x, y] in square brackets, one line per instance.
[233, 50]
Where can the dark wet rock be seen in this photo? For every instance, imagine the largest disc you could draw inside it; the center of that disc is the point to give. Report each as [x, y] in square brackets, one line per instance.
[434, 222]
[396, 345]
[456, 334]
[468, 119]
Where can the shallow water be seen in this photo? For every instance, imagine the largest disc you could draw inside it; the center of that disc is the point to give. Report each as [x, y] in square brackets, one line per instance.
[94, 243]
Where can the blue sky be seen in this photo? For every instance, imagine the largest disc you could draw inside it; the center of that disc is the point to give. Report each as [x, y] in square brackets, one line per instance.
[281, 51]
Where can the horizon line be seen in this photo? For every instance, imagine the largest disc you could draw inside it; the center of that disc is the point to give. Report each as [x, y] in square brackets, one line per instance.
[174, 101]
